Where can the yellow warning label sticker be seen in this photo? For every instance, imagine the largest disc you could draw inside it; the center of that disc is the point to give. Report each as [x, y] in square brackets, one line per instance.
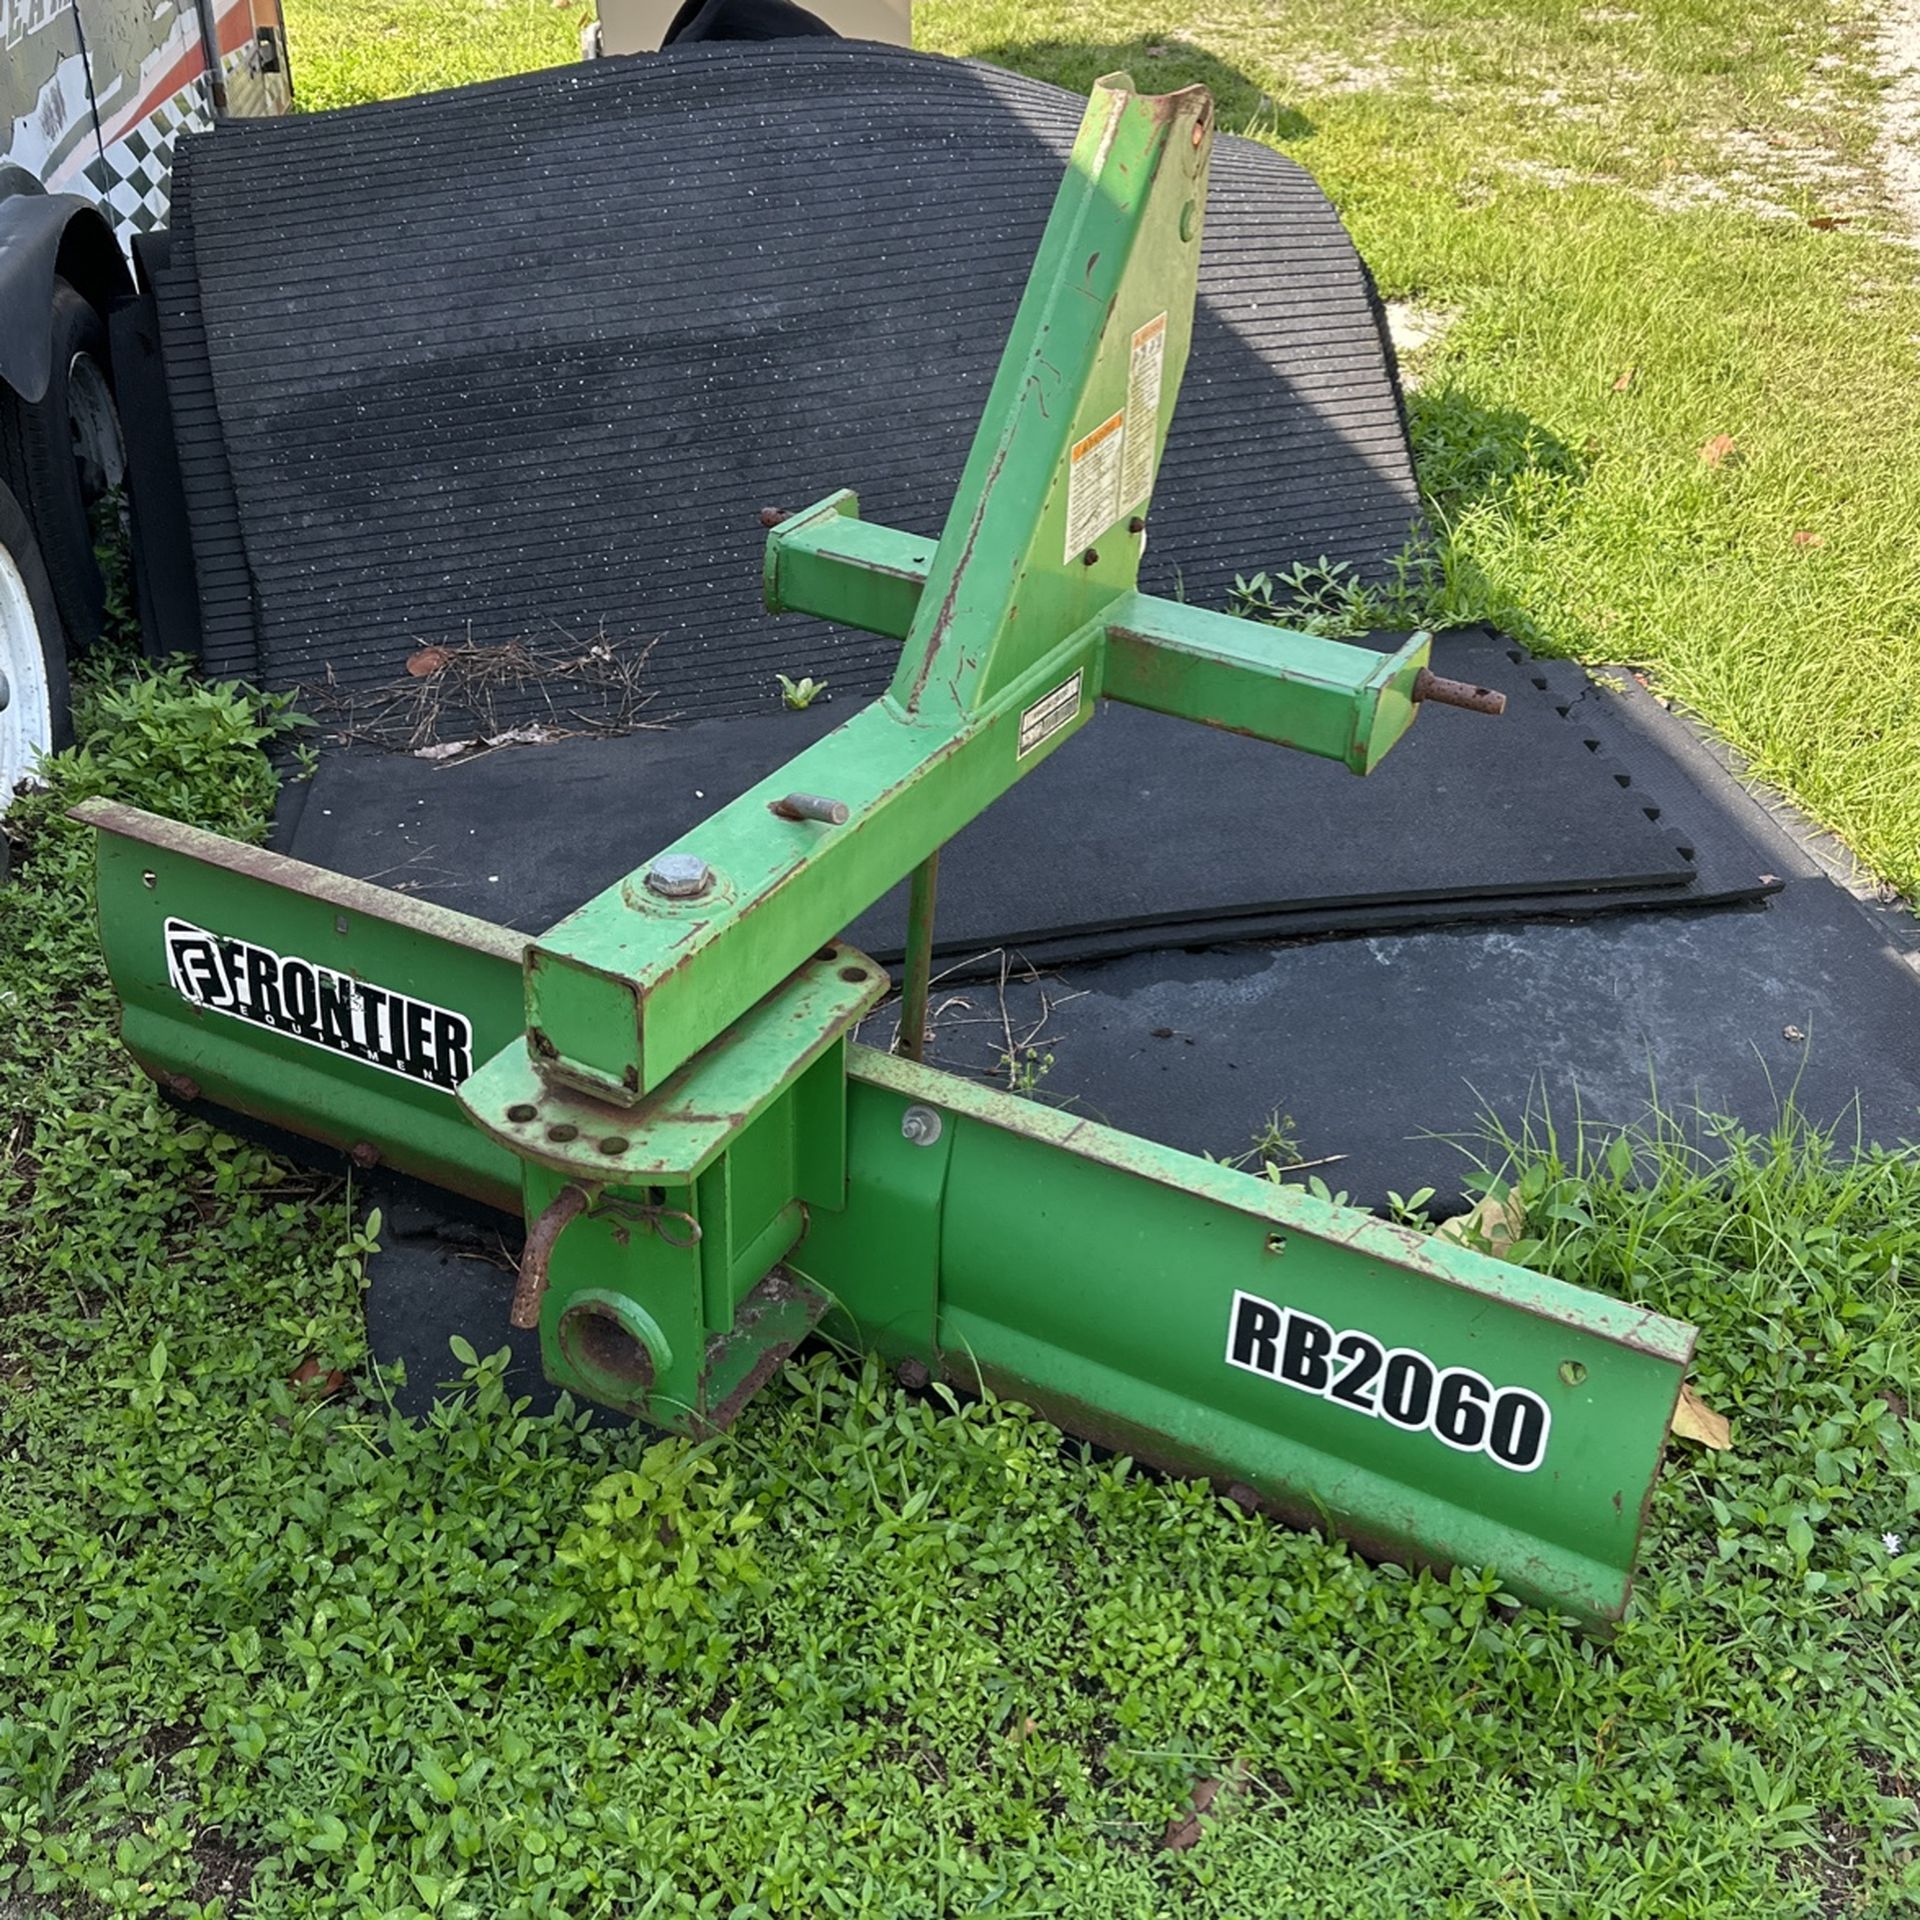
[1145, 363]
[1093, 483]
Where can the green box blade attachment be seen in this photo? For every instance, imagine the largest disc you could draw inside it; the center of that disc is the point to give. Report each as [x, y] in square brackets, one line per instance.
[666, 1085]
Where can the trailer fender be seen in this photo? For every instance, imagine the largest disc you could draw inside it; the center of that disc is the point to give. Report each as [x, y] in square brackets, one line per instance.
[44, 235]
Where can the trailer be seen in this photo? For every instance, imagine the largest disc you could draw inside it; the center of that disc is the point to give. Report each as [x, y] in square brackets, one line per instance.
[93, 99]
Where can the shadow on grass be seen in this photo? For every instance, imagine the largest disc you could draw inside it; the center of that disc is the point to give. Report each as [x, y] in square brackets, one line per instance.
[1162, 65]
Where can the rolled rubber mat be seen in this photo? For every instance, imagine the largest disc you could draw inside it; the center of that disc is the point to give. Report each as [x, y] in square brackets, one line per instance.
[524, 360]
[1144, 831]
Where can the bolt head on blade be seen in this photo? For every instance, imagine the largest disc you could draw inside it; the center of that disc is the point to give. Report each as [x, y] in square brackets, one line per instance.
[679, 876]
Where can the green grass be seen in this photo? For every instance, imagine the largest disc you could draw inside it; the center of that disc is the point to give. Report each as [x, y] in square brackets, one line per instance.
[1589, 193]
[345, 52]
[269, 1653]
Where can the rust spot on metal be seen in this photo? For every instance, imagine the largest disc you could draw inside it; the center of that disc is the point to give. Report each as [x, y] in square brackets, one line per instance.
[182, 1086]
[593, 1339]
[363, 1153]
[943, 620]
[763, 1369]
[778, 1289]
[559, 1213]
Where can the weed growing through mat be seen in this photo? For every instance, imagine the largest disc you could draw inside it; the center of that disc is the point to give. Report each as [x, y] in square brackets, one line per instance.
[798, 695]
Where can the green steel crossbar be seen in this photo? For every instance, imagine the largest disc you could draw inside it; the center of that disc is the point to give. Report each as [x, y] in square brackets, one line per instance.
[666, 1083]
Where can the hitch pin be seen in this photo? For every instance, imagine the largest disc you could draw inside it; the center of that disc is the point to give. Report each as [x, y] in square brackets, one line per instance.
[1456, 693]
[811, 806]
[557, 1216]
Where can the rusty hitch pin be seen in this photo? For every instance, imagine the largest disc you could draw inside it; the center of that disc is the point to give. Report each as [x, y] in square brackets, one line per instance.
[1456, 693]
[811, 806]
[560, 1212]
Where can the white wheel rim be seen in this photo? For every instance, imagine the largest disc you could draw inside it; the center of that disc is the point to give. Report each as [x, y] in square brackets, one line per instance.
[26, 718]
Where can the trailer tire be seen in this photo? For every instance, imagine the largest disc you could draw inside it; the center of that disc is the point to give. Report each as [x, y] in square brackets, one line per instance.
[35, 712]
[61, 453]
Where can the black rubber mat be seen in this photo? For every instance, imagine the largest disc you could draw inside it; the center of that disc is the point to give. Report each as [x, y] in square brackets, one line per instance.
[1384, 1052]
[1641, 748]
[1144, 831]
[1389, 1048]
[226, 640]
[441, 1274]
[160, 539]
[524, 361]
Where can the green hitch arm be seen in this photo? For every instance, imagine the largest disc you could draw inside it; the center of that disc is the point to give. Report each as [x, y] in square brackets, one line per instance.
[1024, 611]
[667, 1087]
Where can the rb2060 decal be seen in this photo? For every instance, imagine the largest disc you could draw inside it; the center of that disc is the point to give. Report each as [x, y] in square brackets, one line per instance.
[1400, 1385]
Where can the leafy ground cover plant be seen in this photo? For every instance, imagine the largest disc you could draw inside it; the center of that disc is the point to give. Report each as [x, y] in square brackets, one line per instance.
[265, 1648]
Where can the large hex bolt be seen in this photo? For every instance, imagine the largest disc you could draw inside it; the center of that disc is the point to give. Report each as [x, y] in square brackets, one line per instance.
[679, 876]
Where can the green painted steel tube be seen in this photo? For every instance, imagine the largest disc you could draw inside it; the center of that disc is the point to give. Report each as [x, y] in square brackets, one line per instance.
[1297, 690]
[623, 992]
[825, 559]
[1423, 1400]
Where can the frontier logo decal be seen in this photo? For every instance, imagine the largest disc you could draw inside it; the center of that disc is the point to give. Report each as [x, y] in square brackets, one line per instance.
[430, 1045]
[1460, 1408]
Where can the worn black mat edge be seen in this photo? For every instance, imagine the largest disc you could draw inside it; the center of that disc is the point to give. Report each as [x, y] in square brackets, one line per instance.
[1722, 865]
[1741, 853]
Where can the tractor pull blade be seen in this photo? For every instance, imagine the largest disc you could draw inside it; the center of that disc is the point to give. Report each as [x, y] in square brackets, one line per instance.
[666, 1085]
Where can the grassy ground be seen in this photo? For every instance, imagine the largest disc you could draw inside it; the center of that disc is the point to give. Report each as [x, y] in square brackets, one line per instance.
[263, 1651]
[267, 1651]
